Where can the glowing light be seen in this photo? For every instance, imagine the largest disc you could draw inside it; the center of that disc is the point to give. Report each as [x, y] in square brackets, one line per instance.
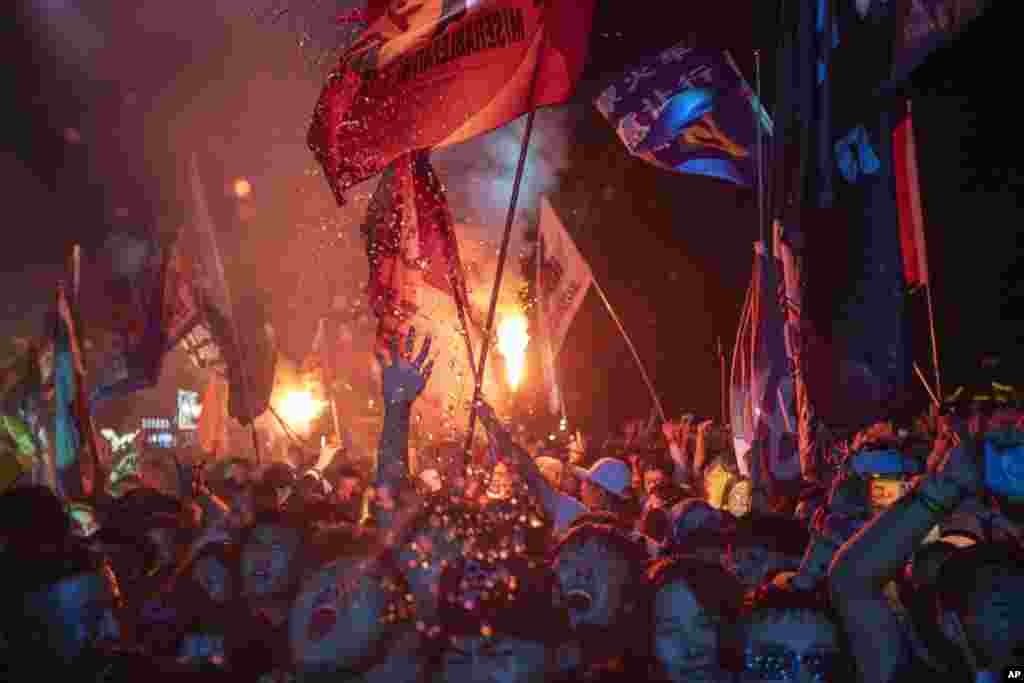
[512, 343]
[243, 188]
[298, 409]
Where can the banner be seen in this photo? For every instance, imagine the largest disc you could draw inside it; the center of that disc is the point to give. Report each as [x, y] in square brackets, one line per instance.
[243, 336]
[689, 111]
[159, 309]
[76, 446]
[565, 277]
[433, 74]
[763, 411]
[926, 25]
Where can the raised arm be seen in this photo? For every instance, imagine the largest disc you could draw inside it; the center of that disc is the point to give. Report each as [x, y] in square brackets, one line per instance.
[881, 549]
[535, 481]
[403, 379]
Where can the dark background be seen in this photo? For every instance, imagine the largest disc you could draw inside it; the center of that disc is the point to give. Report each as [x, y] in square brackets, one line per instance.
[672, 252]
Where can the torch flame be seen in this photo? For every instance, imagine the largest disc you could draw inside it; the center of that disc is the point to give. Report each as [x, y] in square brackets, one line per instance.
[299, 408]
[512, 342]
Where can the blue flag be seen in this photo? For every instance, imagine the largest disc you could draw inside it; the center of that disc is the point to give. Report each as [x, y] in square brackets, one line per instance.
[763, 409]
[689, 111]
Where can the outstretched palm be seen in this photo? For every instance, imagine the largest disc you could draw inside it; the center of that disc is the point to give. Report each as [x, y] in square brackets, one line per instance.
[405, 377]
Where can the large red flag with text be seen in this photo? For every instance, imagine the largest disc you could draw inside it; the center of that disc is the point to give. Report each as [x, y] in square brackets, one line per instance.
[439, 72]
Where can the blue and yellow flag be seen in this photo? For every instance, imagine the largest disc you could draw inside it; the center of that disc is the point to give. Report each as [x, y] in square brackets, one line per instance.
[689, 111]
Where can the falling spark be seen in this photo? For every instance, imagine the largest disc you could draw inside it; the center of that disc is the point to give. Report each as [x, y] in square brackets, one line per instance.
[512, 343]
[243, 188]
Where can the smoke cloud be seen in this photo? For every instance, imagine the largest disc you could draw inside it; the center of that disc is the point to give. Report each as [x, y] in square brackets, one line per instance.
[236, 82]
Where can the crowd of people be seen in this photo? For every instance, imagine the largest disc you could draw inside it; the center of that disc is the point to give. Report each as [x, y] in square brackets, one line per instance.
[654, 559]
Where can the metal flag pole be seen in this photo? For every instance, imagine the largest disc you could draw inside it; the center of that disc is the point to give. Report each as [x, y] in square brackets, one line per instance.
[632, 349]
[506, 238]
[721, 370]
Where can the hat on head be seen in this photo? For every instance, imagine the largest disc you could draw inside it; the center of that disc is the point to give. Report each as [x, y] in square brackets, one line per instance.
[611, 474]
[551, 468]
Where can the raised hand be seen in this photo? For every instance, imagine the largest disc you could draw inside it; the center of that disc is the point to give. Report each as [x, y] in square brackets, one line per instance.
[405, 377]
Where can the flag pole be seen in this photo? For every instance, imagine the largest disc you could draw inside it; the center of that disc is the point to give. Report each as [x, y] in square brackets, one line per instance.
[503, 253]
[935, 345]
[330, 325]
[721, 366]
[632, 349]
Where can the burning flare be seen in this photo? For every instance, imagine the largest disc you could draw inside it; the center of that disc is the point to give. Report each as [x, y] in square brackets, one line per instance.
[242, 188]
[512, 342]
[299, 408]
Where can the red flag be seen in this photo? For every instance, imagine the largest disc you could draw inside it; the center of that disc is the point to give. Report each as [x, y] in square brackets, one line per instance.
[410, 241]
[908, 202]
[441, 72]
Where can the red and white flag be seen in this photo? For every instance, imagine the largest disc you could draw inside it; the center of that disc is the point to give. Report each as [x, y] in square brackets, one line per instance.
[565, 277]
[439, 72]
[908, 203]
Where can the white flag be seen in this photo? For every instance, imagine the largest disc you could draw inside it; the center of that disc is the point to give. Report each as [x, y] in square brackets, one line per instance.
[565, 277]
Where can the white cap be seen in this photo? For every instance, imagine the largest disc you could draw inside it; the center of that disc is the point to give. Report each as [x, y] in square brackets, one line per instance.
[551, 468]
[611, 474]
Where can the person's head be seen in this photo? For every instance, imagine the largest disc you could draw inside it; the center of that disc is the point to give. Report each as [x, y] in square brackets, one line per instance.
[163, 533]
[786, 634]
[271, 556]
[347, 482]
[598, 569]
[766, 544]
[503, 481]
[694, 605]
[980, 603]
[552, 469]
[67, 608]
[347, 612]
[50, 525]
[500, 623]
[655, 474]
[214, 570]
[606, 485]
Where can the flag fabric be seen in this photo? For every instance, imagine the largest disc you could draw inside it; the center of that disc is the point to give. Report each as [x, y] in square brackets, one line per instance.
[411, 242]
[438, 73]
[762, 400]
[926, 25]
[77, 445]
[159, 310]
[565, 277]
[213, 425]
[688, 110]
[242, 333]
[548, 366]
[908, 201]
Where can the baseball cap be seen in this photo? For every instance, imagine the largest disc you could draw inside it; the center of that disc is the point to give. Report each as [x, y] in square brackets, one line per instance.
[550, 467]
[611, 474]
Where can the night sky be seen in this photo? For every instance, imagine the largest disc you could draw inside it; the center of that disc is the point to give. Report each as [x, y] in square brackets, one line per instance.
[143, 85]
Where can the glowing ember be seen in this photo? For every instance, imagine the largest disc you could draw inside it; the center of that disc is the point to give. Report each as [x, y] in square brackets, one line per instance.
[298, 409]
[242, 188]
[512, 342]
